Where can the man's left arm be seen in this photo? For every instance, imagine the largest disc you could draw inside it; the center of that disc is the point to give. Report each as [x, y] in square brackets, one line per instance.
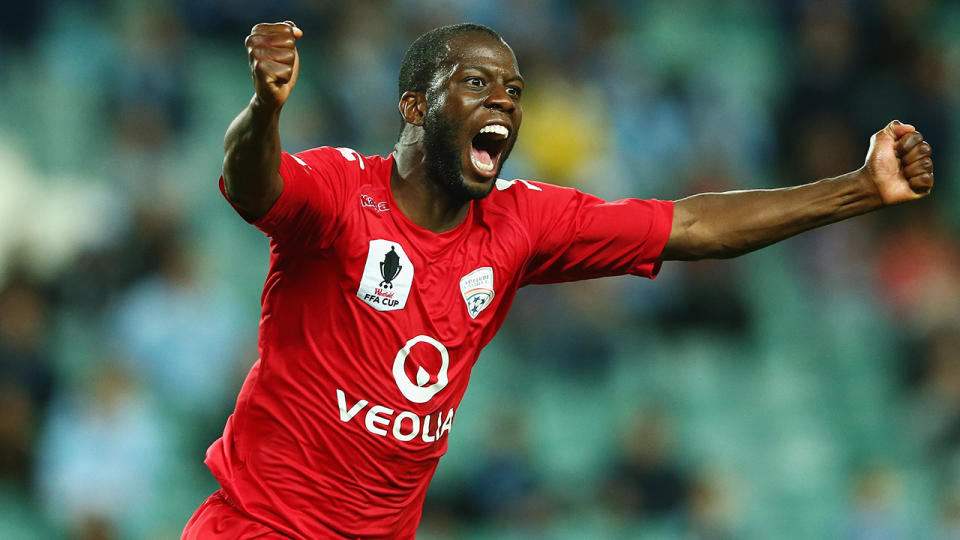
[898, 169]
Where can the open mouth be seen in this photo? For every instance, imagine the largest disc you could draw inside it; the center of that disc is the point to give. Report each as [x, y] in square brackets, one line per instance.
[486, 148]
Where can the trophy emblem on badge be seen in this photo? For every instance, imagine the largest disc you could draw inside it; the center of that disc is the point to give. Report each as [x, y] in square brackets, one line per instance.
[390, 268]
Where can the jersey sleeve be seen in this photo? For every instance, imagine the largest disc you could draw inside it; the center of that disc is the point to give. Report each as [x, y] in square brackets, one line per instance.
[309, 208]
[577, 236]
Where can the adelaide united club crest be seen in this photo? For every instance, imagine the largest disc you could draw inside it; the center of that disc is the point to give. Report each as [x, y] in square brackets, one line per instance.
[477, 290]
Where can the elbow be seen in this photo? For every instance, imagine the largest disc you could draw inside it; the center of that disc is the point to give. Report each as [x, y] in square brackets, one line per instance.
[691, 243]
[687, 241]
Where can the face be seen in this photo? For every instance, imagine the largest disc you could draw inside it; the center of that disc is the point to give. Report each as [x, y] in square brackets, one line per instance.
[473, 116]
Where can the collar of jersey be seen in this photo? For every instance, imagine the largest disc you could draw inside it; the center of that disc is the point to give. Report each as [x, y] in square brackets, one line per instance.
[439, 239]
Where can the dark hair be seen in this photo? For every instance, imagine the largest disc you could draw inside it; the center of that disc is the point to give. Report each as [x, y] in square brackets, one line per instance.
[427, 53]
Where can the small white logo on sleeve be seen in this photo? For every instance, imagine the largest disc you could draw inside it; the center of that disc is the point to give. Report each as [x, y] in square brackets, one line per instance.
[387, 276]
[477, 290]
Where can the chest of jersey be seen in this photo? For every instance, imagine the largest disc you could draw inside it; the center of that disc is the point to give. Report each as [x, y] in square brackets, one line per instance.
[452, 285]
[404, 314]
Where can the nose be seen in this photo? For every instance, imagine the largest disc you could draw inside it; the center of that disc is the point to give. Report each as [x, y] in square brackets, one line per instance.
[498, 98]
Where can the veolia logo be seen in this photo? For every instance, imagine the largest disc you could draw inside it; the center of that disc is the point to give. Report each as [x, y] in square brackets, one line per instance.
[417, 392]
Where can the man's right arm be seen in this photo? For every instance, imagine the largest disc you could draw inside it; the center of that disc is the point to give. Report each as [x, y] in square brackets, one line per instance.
[251, 160]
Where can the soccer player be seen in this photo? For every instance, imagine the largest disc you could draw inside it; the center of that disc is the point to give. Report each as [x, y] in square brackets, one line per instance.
[388, 275]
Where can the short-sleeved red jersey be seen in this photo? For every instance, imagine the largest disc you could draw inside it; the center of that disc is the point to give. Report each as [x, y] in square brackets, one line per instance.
[371, 324]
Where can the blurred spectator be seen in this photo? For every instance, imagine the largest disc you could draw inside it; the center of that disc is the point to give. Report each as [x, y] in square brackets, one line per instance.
[178, 335]
[579, 347]
[26, 376]
[20, 24]
[104, 451]
[937, 417]
[919, 269]
[949, 522]
[710, 514]
[646, 480]
[564, 149]
[503, 488]
[877, 513]
[104, 271]
[148, 103]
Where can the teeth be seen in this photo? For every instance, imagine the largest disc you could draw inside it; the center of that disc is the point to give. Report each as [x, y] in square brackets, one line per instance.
[496, 129]
[485, 167]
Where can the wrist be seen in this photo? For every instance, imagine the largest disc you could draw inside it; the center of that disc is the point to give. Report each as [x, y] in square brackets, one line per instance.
[866, 187]
[264, 108]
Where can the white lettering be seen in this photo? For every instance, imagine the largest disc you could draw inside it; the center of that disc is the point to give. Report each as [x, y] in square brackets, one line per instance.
[426, 429]
[398, 423]
[447, 424]
[403, 425]
[373, 416]
[346, 415]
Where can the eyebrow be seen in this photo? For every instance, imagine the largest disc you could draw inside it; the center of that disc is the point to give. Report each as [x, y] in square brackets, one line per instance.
[485, 70]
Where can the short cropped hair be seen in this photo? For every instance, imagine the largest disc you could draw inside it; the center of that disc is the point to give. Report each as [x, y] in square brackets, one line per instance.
[427, 53]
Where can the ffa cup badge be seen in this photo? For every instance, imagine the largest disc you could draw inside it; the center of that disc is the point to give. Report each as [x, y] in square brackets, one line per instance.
[477, 290]
[387, 276]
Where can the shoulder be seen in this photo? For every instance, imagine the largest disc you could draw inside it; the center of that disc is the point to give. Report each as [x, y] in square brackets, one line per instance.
[338, 168]
[339, 157]
[527, 195]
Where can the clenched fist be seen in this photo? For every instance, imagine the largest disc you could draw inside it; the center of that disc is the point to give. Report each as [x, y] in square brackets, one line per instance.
[274, 62]
[899, 163]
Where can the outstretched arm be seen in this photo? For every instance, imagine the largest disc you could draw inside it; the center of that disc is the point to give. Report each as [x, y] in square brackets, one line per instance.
[252, 144]
[898, 169]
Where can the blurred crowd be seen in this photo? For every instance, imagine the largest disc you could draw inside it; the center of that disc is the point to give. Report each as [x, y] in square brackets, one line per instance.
[810, 390]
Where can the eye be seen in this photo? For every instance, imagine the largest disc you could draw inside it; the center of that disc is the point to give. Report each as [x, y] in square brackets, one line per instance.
[514, 91]
[475, 82]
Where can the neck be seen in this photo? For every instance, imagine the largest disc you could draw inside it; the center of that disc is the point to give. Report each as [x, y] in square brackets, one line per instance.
[422, 199]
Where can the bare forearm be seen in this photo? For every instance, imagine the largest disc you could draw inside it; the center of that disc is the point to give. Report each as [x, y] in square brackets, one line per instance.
[251, 162]
[898, 169]
[723, 225]
[252, 159]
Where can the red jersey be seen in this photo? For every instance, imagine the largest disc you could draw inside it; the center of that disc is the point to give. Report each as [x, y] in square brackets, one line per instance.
[371, 324]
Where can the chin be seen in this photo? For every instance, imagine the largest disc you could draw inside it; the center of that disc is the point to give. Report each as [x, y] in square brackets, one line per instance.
[464, 189]
[477, 190]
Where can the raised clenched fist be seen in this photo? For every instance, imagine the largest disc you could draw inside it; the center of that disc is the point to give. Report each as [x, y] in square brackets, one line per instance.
[899, 163]
[274, 62]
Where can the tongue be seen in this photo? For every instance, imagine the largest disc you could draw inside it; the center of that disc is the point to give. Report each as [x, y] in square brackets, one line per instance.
[481, 156]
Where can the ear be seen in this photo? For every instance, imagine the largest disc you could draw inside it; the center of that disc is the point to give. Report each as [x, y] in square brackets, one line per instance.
[413, 107]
